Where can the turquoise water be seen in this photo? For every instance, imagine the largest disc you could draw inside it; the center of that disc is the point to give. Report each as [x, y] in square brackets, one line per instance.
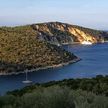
[94, 62]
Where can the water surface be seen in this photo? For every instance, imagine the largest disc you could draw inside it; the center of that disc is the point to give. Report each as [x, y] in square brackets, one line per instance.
[94, 62]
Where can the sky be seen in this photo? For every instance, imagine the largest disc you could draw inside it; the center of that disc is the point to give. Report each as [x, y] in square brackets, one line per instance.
[87, 13]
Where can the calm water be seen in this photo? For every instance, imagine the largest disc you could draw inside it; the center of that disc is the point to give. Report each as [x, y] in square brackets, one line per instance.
[94, 62]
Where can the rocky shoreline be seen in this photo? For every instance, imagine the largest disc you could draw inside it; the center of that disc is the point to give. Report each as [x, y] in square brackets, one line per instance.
[43, 68]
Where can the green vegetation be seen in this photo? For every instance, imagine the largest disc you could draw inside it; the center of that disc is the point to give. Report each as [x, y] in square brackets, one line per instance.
[98, 85]
[72, 93]
[20, 49]
[23, 47]
[30, 46]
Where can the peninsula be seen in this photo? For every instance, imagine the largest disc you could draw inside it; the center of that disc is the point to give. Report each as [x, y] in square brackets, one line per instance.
[37, 46]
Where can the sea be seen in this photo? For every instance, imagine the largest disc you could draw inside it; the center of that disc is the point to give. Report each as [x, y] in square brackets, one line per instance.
[94, 62]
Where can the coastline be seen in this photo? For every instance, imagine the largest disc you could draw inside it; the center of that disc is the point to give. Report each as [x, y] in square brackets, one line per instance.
[47, 67]
[43, 68]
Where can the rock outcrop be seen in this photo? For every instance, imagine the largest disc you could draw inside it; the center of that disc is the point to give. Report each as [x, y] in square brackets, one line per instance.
[61, 33]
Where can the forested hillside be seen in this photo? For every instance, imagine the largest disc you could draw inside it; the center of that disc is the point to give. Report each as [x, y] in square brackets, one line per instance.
[35, 46]
[20, 50]
[72, 93]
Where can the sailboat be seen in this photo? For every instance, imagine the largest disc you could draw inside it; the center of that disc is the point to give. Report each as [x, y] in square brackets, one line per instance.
[27, 81]
[58, 44]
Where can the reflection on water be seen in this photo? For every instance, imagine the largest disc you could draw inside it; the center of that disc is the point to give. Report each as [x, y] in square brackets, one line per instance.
[94, 62]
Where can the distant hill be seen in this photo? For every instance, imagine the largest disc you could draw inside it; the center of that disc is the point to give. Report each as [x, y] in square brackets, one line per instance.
[21, 50]
[62, 33]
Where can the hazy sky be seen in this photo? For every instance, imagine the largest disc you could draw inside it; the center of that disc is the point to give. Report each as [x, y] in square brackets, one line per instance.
[89, 13]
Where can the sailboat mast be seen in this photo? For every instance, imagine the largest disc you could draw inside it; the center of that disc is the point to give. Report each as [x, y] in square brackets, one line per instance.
[26, 75]
[26, 80]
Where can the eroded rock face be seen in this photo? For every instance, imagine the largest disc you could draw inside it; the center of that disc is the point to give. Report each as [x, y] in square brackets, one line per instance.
[82, 36]
[60, 33]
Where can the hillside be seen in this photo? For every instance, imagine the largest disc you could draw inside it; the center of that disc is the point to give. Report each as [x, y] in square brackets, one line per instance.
[70, 93]
[20, 50]
[62, 33]
[35, 46]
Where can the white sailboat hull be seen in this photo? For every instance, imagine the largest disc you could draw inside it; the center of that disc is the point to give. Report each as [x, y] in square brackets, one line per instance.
[27, 82]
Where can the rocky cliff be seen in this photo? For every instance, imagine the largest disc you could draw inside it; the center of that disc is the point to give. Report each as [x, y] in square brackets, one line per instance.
[62, 33]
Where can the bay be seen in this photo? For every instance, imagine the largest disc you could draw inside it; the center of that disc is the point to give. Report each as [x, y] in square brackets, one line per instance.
[94, 62]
